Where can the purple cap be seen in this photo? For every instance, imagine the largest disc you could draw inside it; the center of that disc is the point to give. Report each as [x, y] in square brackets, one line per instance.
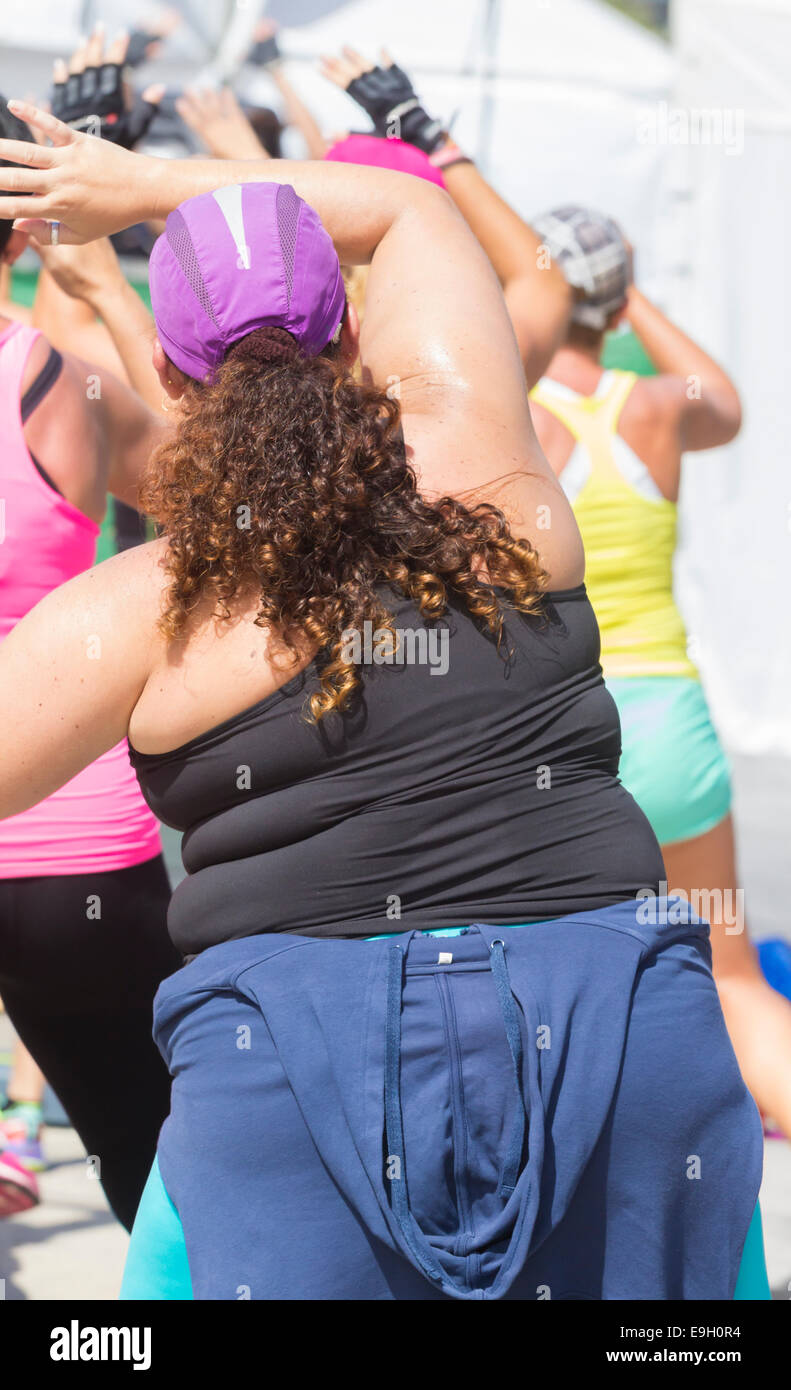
[249, 256]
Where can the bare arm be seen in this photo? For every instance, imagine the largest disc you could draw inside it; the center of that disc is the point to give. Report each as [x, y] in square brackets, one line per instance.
[113, 431]
[91, 433]
[71, 673]
[538, 296]
[129, 432]
[71, 325]
[436, 321]
[702, 394]
[82, 282]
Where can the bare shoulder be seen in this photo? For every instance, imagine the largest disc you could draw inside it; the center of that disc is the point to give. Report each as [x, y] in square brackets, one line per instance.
[656, 400]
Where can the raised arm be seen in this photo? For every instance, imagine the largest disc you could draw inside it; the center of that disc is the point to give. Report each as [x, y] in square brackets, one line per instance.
[702, 395]
[80, 671]
[114, 431]
[536, 292]
[436, 329]
[83, 284]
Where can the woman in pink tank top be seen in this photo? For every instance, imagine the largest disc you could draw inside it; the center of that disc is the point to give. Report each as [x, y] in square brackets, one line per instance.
[99, 820]
[83, 886]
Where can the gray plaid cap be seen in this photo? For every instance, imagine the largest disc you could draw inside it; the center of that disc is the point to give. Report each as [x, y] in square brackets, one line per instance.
[591, 252]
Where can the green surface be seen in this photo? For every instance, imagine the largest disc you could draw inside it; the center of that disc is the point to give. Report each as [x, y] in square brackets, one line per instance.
[23, 287]
[624, 351]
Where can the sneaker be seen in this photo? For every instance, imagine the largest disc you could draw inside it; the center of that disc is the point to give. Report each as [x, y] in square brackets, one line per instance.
[20, 1133]
[18, 1187]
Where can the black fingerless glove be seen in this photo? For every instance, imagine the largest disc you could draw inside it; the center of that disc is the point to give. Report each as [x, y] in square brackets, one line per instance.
[98, 92]
[388, 97]
[137, 49]
[265, 52]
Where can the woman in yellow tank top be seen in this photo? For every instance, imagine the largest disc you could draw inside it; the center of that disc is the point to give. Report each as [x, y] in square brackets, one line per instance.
[616, 442]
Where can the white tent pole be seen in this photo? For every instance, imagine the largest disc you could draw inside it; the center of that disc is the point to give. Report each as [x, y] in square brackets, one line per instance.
[235, 40]
[489, 49]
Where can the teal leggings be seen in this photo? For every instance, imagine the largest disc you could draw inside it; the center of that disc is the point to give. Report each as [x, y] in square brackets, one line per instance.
[157, 1266]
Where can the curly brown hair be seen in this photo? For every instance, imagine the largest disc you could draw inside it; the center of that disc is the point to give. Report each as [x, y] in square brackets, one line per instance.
[287, 475]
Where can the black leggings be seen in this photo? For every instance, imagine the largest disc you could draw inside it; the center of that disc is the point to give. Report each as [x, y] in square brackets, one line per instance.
[79, 993]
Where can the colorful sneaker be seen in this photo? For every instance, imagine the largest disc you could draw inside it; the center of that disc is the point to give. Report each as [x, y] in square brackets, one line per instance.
[20, 1133]
[18, 1187]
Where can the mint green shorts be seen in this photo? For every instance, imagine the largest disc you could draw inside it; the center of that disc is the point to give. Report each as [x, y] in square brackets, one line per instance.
[672, 761]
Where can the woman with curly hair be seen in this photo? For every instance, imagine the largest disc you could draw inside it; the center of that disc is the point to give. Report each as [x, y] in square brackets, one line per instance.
[430, 981]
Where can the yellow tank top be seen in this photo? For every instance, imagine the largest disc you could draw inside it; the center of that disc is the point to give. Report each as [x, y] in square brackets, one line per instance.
[628, 530]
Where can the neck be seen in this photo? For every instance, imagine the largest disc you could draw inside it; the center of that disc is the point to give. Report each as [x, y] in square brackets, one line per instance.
[575, 367]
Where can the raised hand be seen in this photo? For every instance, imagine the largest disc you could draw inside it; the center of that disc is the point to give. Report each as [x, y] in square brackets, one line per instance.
[219, 120]
[89, 93]
[82, 272]
[90, 187]
[264, 51]
[385, 93]
[145, 43]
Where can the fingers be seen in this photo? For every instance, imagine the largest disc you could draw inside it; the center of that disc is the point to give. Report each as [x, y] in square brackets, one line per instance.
[94, 49]
[24, 155]
[357, 61]
[48, 125]
[340, 71]
[192, 109]
[59, 72]
[77, 59]
[116, 51]
[14, 247]
[187, 105]
[154, 94]
[386, 58]
[196, 107]
[346, 68]
[264, 30]
[331, 69]
[40, 231]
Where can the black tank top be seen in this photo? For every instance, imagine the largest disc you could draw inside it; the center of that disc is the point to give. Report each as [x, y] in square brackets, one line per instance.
[467, 785]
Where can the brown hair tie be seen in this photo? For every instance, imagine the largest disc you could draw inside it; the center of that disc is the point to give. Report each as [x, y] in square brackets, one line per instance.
[270, 346]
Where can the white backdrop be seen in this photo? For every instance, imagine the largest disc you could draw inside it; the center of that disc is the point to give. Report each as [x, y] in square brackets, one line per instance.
[735, 566]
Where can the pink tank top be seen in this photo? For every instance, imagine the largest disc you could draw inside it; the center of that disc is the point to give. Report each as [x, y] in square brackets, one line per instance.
[98, 821]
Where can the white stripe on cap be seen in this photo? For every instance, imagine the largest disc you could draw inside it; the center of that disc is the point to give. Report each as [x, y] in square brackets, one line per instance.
[230, 204]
